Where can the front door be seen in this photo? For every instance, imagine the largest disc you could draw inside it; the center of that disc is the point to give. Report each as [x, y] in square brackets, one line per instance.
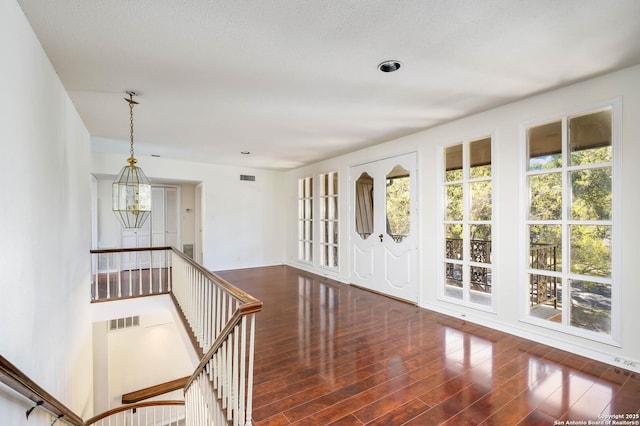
[384, 227]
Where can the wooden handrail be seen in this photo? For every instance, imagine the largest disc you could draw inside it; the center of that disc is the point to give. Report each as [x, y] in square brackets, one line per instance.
[151, 391]
[244, 306]
[117, 410]
[250, 303]
[124, 250]
[11, 376]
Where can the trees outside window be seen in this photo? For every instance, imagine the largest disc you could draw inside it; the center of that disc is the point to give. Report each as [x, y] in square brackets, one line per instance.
[468, 223]
[570, 221]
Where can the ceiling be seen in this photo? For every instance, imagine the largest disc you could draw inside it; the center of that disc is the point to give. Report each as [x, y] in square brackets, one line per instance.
[294, 82]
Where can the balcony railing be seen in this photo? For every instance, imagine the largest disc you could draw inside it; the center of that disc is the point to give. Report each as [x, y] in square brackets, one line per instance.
[542, 289]
[221, 319]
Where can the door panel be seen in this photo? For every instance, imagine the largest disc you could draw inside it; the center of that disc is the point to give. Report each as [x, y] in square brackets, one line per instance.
[384, 226]
[157, 216]
[397, 269]
[363, 263]
[160, 229]
[171, 217]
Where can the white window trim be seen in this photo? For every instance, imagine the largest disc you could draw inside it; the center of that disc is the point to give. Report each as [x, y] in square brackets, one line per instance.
[466, 180]
[300, 238]
[614, 338]
[322, 221]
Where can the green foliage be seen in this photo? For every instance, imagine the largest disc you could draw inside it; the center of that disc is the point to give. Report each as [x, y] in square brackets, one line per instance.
[398, 206]
[591, 199]
[591, 250]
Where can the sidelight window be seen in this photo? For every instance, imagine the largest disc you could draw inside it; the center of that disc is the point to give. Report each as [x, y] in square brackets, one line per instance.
[569, 223]
[329, 220]
[305, 219]
[468, 223]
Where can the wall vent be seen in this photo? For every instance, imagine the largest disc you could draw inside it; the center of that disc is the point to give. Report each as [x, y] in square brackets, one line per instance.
[249, 178]
[188, 250]
[127, 322]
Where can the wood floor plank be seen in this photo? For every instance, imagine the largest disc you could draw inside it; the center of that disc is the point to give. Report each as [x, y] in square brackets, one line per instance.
[333, 354]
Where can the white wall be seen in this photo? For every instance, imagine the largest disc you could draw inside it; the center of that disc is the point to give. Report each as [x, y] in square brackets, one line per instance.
[45, 227]
[504, 124]
[243, 222]
[147, 355]
[138, 366]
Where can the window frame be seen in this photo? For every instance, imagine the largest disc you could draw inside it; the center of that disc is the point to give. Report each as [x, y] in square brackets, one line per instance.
[613, 338]
[305, 219]
[466, 223]
[324, 222]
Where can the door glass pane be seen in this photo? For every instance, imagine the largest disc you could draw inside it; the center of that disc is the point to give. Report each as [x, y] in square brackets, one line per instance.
[545, 146]
[480, 283]
[545, 297]
[480, 152]
[332, 208]
[453, 276]
[398, 200]
[453, 163]
[546, 196]
[591, 194]
[591, 305]
[454, 202]
[545, 247]
[591, 250]
[481, 200]
[454, 242]
[590, 138]
[364, 205]
[480, 243]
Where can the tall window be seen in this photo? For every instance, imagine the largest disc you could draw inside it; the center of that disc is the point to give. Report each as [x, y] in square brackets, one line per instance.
[468, 222]
[329, 220]
[305, 219]
[570, 221]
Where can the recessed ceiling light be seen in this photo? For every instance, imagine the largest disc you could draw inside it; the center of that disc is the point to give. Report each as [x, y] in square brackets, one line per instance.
[389, 66]
[245, 152]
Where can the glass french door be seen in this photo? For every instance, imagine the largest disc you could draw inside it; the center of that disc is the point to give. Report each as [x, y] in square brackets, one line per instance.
[384, 240]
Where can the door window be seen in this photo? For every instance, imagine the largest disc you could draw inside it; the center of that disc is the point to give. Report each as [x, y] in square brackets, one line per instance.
[398, 203]
[468, 222]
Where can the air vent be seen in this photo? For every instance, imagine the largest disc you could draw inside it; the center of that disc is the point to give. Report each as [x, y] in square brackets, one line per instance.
[249, 178]
[120, 323]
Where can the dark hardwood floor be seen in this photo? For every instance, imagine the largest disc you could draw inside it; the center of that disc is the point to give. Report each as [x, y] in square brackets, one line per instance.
[328, 353]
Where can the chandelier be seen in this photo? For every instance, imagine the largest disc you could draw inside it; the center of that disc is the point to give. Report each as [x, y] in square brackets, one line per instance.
[131, 189]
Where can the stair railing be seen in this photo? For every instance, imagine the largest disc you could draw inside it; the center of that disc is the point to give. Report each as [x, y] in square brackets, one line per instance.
[166, 413]
[220, 316]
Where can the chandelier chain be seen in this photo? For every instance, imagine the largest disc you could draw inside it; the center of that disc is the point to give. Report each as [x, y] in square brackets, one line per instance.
[131, 123]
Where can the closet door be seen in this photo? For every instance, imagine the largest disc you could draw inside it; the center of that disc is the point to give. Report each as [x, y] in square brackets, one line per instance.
[158, 216]
[160, 229]
[172, 215]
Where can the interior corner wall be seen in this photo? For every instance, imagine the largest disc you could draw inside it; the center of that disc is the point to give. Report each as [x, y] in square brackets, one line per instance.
[504, 124]
[146, 355]
[243, 222]
[45, 225]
